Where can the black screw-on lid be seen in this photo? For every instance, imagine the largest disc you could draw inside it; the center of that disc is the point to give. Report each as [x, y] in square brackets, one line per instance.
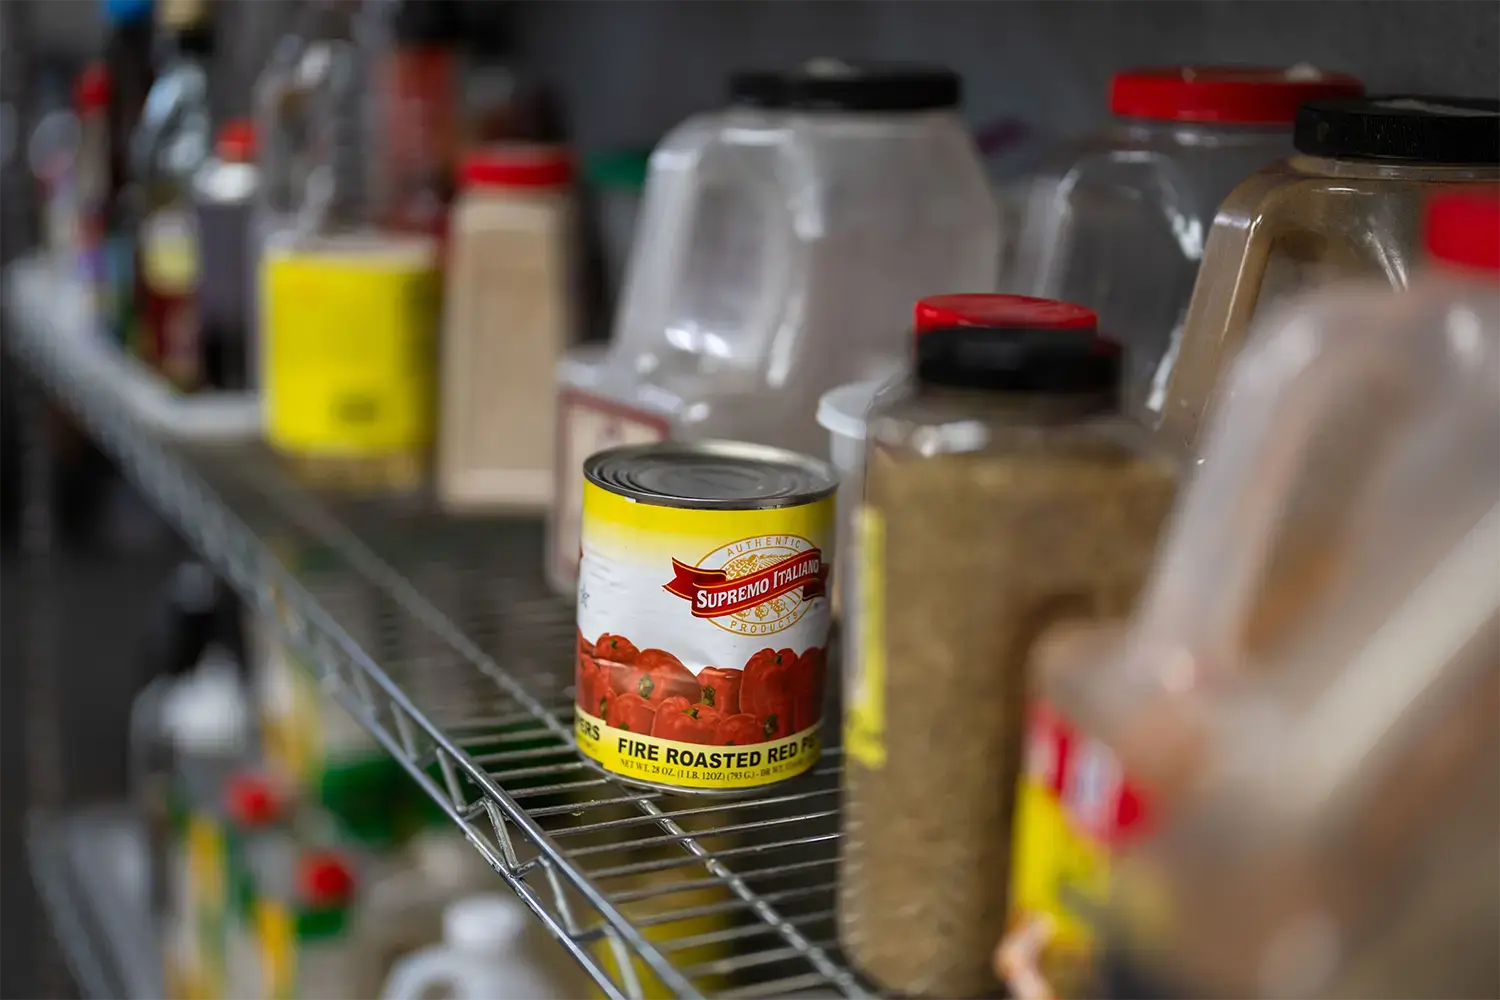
[1408, 128]
[1014, 343]
[836, 85]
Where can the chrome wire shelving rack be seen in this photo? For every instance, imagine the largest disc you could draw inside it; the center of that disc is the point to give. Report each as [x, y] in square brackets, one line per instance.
[439, 637]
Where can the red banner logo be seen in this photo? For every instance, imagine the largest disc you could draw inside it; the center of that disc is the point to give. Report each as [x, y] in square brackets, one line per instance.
[714, 595]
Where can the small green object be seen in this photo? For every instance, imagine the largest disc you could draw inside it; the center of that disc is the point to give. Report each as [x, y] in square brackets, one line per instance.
[618, 169]
[322, 923]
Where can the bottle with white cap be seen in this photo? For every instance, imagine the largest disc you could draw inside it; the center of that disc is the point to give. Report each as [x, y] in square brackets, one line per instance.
[486, 952]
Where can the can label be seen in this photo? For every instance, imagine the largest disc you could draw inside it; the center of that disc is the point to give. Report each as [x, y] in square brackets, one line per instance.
[1075, 806]
[702, 639]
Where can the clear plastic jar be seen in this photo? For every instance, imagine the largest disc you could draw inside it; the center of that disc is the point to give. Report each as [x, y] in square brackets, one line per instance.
[1301, 713]
[1348, 206]
[1116, 220]
[1003, 491]
[776, 240]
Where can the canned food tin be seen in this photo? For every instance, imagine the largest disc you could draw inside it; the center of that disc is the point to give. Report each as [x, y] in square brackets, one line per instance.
[703, 613]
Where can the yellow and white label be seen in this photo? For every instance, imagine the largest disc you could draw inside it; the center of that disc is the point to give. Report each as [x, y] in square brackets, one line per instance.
[864, 719]
[689, 765]
[351, 349]
[703, 638]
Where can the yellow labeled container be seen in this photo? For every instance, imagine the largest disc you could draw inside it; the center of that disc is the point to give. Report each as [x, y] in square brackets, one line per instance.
[349, 358]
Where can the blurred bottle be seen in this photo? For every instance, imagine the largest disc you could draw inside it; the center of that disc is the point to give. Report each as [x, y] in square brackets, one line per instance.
[170, 145]
[224, 193]
[91, 168]
[127, 57]
[419, 104]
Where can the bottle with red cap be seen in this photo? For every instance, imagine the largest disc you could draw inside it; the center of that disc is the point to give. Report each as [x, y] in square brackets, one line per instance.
[223, 193]
[91, 175]
[510, 314]
[307, 937]
[1296, 730]
[1349, 204]
[1116, 221]
[1004, 491]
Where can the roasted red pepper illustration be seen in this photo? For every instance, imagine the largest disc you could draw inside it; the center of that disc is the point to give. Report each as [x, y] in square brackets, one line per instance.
[585, 648]
[807, 689]
[720, 688]
[615, 649]
[656, 676]
[739, 730]
[680, 720]
[769, 682]
[592, 683]
[631, 713]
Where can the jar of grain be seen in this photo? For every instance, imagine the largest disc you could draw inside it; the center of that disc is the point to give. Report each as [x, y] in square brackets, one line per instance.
[1004, 492]
[509, 318]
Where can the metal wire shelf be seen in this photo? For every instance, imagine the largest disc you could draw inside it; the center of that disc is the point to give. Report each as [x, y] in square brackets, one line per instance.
[439, 637]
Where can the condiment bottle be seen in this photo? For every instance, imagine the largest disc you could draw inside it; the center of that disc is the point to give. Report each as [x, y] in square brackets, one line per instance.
[776, 239]
[510, 314]
[91, 172]
[1115, 221]
[1302, 711]
[1348, 205]
[1004, 491]
[224, 192]
[419, 97]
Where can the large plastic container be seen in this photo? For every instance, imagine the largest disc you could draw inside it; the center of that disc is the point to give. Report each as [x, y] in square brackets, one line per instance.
[1349, 205]
[1115, 221]
[776, 240]
[1003, 490]
[1299, 723]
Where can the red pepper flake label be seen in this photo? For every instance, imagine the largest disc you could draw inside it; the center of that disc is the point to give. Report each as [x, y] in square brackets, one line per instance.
[702, 640]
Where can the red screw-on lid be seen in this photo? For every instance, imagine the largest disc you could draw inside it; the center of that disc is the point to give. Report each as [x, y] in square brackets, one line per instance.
[91, 91]
[250, 800]
[1240, 95]
[1463, 228]
[518, 165]
[1001, 312]
[237, 141]
[324, 879]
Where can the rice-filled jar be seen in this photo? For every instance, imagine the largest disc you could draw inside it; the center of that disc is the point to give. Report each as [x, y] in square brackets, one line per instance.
[1004, 492]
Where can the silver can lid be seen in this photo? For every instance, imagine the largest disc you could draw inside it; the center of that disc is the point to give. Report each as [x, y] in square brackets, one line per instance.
[711, 475]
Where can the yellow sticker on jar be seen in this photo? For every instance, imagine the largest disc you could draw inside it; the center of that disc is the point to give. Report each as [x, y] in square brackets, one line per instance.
[350, 343]
[864, 720]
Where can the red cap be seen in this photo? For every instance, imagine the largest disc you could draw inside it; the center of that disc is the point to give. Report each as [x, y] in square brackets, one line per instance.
[250, 800]
[1004, 312]
[236, 141]
[91, 91]
[324, 879]
[1463, 228]
[518, 165]
[1242, 95]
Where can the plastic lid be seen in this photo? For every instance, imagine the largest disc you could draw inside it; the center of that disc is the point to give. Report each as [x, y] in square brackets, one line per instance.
[618, 169]
[91, 92]
[1014, 312]
[484, 924]
[250, 800]
[237, 141]
[1015, 343]
[519, 164]
[842, 410]
[1463, 228]
[1241, 95]
[324, 880]
[835, 85]
[1408, 128]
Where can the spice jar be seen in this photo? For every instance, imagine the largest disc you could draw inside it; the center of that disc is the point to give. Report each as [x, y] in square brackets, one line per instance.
[1115, 220]
[1004, 491]
[1348, 205]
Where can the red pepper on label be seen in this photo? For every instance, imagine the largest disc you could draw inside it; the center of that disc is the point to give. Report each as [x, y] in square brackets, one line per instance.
[592, 683]
[768, 683]
[778, 722]
[585, 648]
[656, 676]
[631, 713]
[720, 688]
[807, 690]
[739, 730]
[678, 719]
[615, 648]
